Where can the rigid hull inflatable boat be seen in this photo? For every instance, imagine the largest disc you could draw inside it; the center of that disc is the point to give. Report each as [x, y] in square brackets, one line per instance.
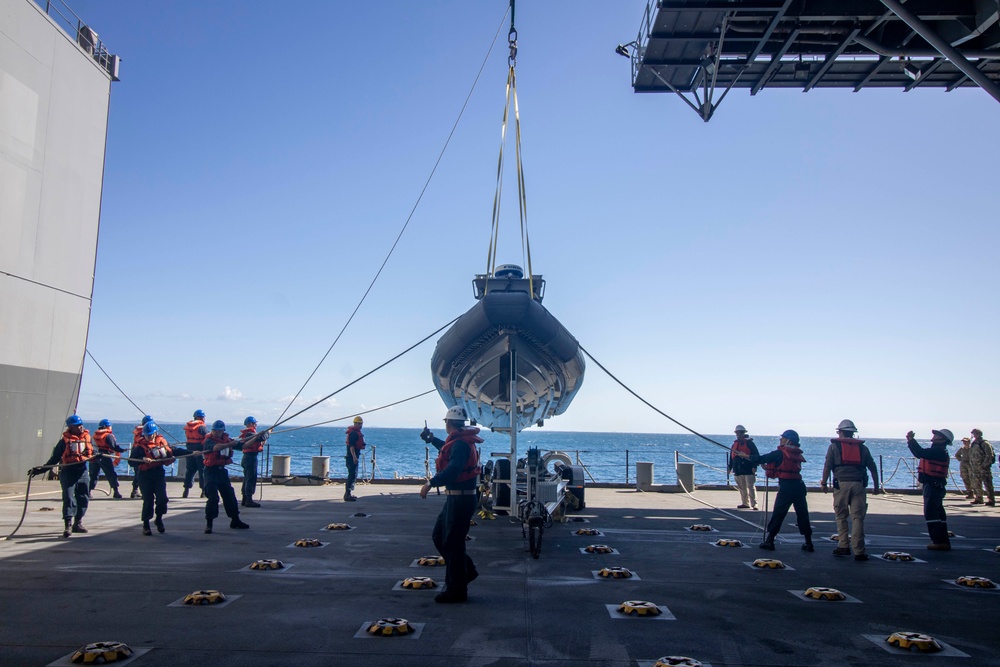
[508, 345]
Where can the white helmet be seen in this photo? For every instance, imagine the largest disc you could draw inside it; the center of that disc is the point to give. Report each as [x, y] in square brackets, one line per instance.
[740, 428]
[847, 425]
[457, 414]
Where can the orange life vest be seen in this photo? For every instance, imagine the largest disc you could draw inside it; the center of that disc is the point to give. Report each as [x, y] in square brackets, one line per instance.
[740, 446]
[468, 436]
[791, 464]
[156, 449]
[933, 468]
[223, 457]
[100, 436]
[192, 432]
[356, 428]
[136, 435]
[850, 451]
[78, 448]
[255, 446]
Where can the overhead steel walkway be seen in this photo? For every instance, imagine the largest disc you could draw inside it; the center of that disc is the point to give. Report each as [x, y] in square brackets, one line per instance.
[702, 49]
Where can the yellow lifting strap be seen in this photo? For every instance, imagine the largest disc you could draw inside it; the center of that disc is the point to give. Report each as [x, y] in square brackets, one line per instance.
[511, 96]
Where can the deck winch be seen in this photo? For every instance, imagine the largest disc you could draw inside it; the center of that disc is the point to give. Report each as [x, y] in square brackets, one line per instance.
[101, 653]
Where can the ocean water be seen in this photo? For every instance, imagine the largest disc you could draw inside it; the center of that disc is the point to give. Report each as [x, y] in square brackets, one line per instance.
[607, 457]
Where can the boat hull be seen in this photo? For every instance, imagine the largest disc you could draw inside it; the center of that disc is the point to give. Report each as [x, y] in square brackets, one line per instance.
[471, 365]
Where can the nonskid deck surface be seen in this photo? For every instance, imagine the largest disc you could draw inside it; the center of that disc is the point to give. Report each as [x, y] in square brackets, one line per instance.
[114, 584]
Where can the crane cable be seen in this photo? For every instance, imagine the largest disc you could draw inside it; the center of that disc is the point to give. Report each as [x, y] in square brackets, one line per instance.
[656, 409]
[409, 217]
[511, 98]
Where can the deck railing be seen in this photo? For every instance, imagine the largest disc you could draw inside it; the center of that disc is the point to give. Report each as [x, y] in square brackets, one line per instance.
[83, 34]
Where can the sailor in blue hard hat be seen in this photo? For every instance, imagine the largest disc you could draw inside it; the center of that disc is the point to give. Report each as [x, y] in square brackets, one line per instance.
[218, 454]
[72, 453]
[785, 464]
[110, 453]
[253, 445]
[195, 433]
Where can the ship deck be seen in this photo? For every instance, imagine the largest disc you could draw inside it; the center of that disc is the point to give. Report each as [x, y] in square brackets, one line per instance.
[114, 584]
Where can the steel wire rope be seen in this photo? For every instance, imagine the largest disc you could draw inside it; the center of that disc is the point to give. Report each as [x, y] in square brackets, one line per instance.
[405, 224]
[353, 414]
[702, 463]
[648, 404]
[127, 397]
[362, 377]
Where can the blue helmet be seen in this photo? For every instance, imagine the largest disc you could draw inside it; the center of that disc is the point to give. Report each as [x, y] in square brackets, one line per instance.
[104, 423]
[791, 435]
[199, 414]
[250, 420]
[146, 420]
[150, 428]
[219, 425]
[74, 420]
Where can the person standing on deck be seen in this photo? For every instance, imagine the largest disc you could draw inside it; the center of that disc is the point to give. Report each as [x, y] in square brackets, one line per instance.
[195, 433]
[744, 472]
[785, 464]
[355, 442]
[458, 471]
[109, 452]
[981, 459]
[850, 462]
[136, 434]
[72, 452]
[932, 472]
[153, 453]
[252, 446]
[218, 454]
[965, 467]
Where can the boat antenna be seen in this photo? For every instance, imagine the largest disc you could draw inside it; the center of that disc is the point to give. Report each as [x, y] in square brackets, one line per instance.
[511, 99]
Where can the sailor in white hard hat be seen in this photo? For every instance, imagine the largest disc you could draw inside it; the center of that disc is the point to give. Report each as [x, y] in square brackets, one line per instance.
[458, 471]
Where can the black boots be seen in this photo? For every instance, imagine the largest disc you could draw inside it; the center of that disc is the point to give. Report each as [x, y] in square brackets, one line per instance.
[248, 502]
[66, 522]
[158, 522]
[236, 523]
[208, 527]
[447, 596]
[146, 529]
[185, 494]
[768, 543]
[78, 527]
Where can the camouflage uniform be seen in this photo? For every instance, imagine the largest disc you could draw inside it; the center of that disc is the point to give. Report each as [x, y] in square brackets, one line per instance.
[981, 460]
[965, 468]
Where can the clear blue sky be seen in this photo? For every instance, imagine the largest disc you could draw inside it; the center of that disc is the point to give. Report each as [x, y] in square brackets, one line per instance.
[800, 259]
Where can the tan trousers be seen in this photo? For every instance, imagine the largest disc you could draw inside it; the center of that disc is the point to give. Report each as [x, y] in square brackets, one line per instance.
[747, 484]
[851, 501]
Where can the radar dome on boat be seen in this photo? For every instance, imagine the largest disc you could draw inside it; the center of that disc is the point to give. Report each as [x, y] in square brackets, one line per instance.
[509, 271]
